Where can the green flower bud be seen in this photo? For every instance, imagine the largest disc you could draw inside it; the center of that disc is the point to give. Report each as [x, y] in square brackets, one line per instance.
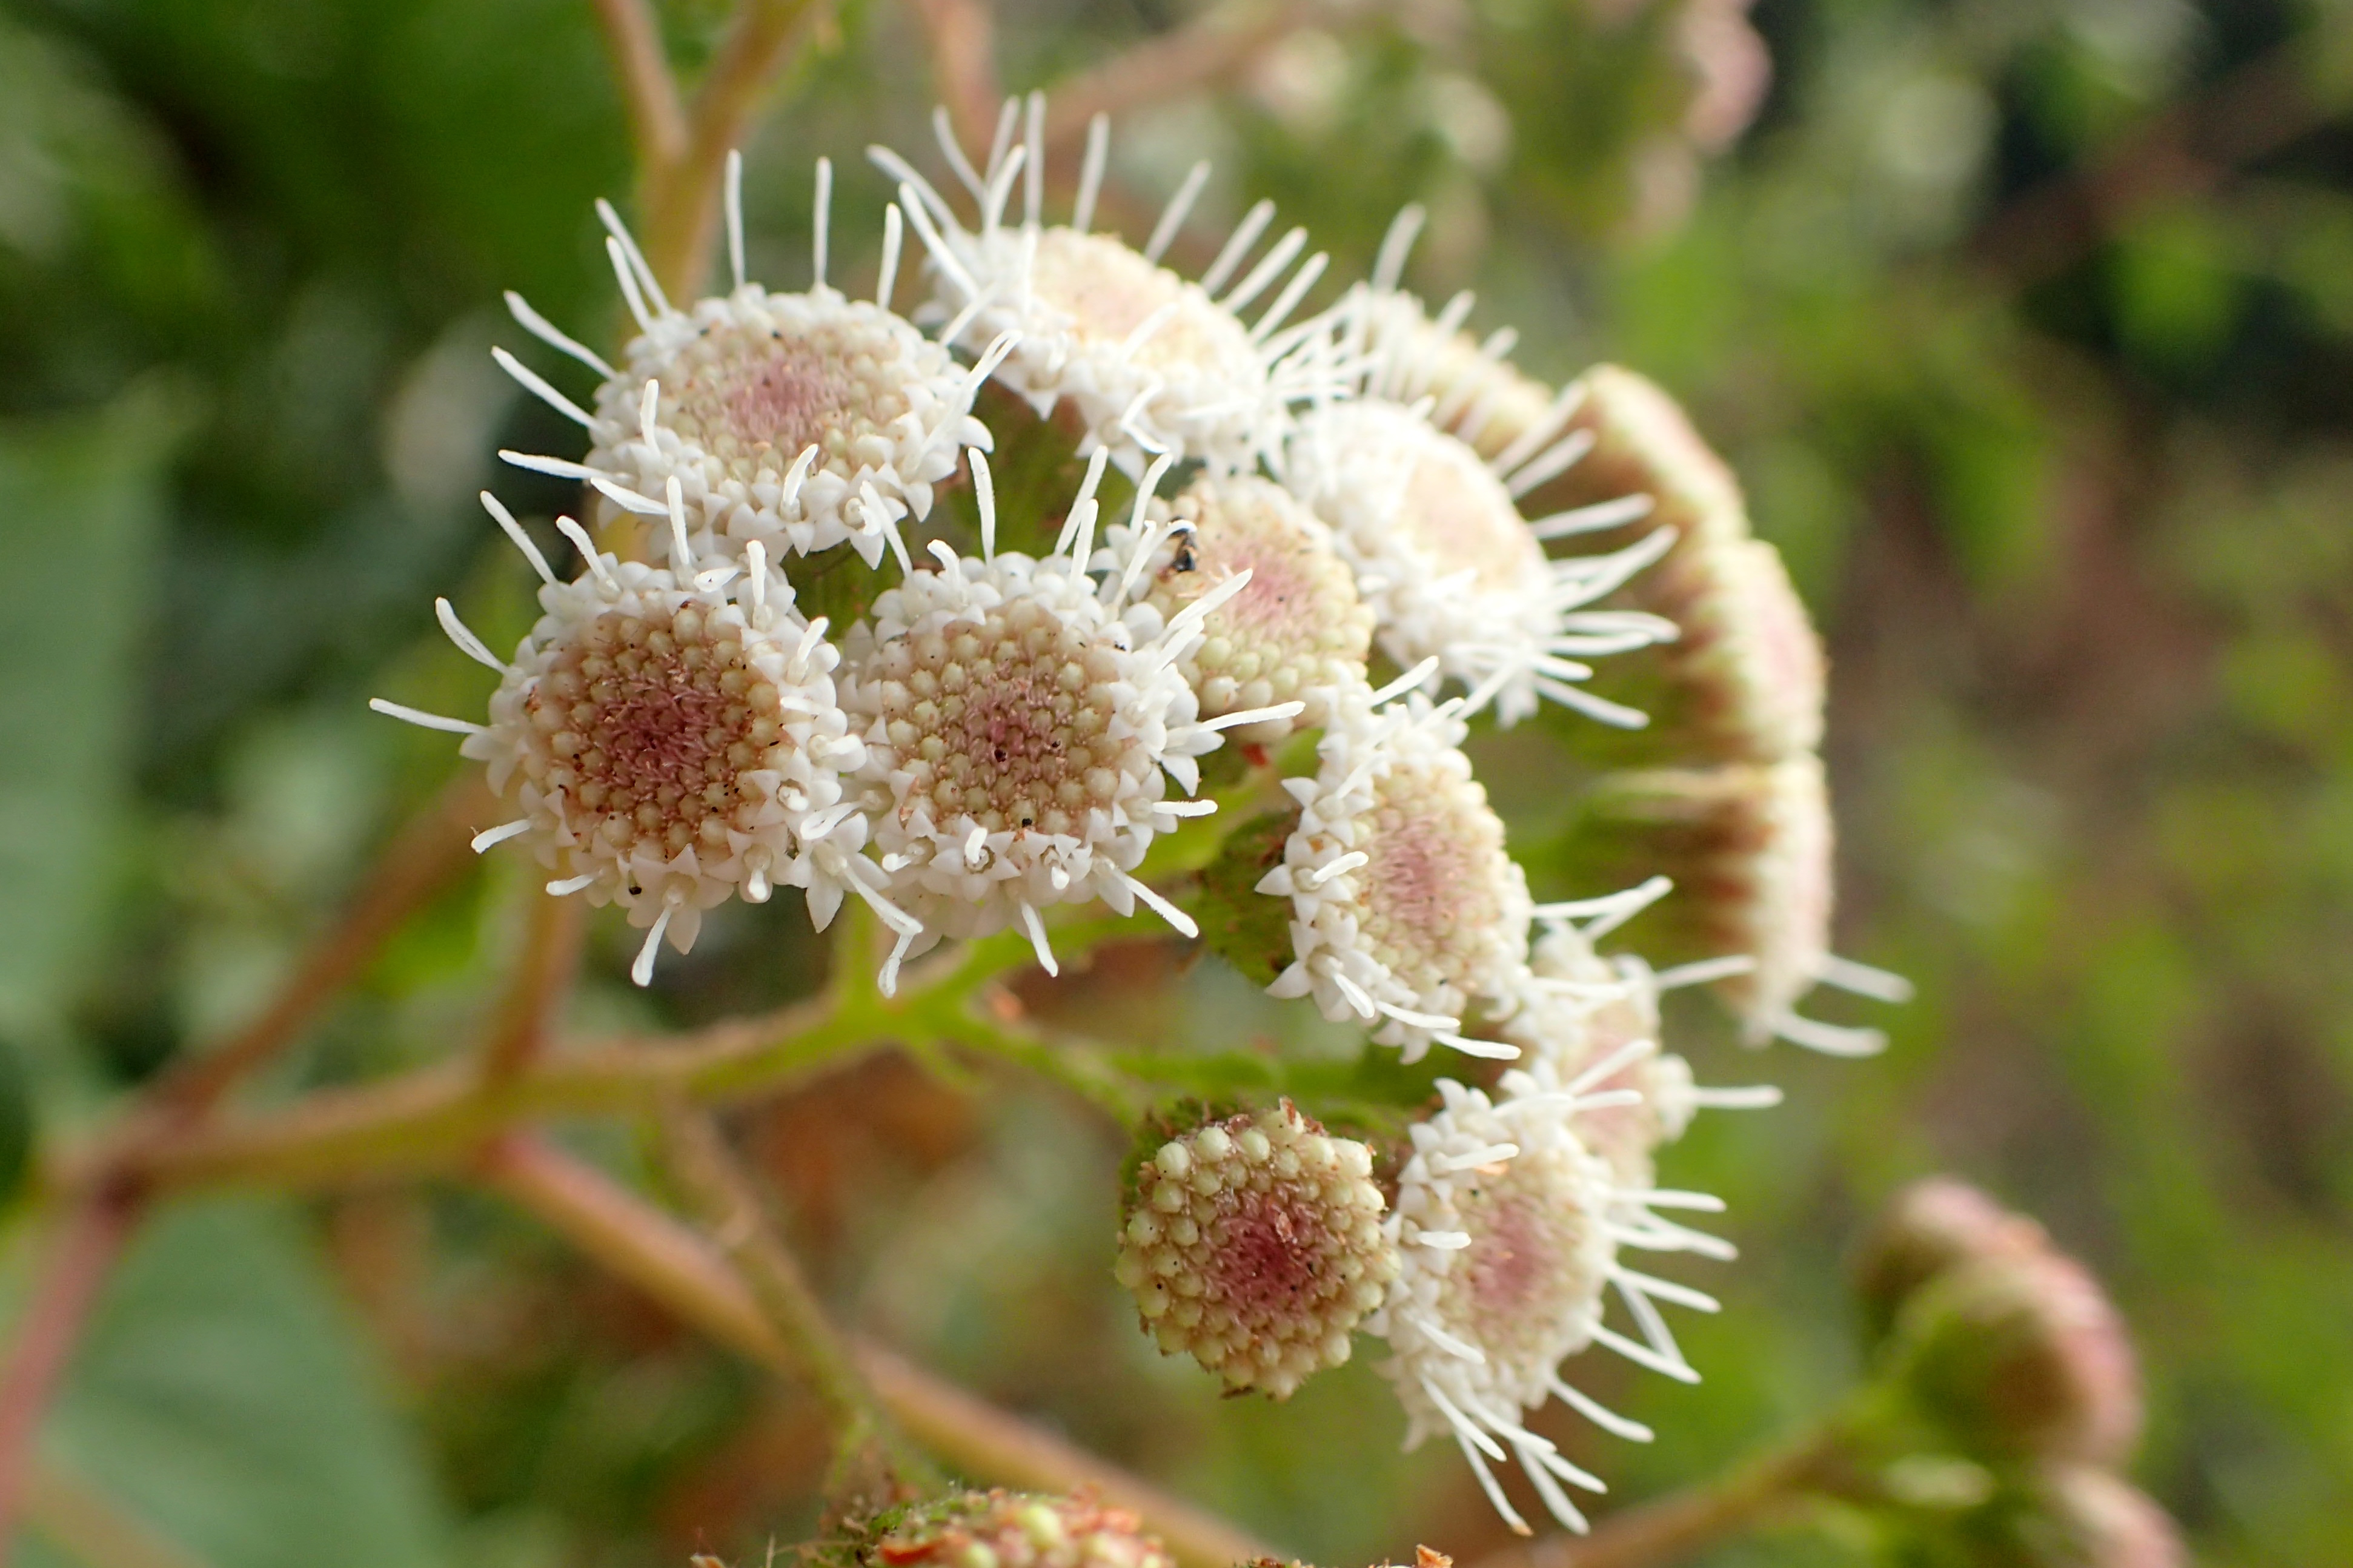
[1248, 928]
[2022, 1355]
[1926, 1229]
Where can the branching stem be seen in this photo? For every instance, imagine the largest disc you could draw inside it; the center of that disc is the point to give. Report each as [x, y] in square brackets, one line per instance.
[681, 194]
[535, 992]
[89, 1240]
[427, 852]
[671, 1263]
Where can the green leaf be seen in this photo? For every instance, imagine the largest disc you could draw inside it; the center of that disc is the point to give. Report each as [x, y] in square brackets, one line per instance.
[79, 497]
[224, 1397]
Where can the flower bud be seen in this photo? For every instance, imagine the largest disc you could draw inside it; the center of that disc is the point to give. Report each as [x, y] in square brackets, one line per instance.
[2092, 1519]
[1926, 1229]
[1644, 444]
[1744, 682]
[1254, 1244]
[2025, 1355]
[1013, 1530]
[1750, 848]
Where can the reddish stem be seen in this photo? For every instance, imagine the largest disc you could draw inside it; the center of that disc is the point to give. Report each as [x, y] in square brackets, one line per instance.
[94, 1234]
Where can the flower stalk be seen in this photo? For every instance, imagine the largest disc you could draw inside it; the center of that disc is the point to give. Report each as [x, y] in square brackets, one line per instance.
[680, 1269]
[873, 1463]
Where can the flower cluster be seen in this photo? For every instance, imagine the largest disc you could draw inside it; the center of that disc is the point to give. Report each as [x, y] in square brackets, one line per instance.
[1014, 1530]
[1360, 550]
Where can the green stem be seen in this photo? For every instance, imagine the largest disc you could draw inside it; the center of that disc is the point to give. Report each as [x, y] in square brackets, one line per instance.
[1672, 1529]
[437, 1116]
[677, 1267]
[873, 1462]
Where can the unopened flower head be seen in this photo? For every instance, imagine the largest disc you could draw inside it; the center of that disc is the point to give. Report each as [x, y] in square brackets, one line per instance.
[1749, 848]
[1406, 906]
[1144, 360]
[800, 420]
[668, 746]
[1020, 727]
[1298, 630]
[1255, 1244]
[1014, 1530]
[1505, 1249]
[1751, 657]
[1930, 1228]
[2101, 1520]
[1451, 569]
[2023, 1354]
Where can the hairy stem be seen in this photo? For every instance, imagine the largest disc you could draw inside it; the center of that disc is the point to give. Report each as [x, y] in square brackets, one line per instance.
[649, 91]
[91, 1239]
[432, 1118]
[1667, 1531]
[436, 1116]
[677, 1267]
[681, 196]
[873, 1461]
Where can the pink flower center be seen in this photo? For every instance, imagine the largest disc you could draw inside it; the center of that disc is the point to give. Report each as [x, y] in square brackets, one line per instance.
[1267, 1252]
[1106, 291]
[755, 398]
[649, 723]
[1530, 1274]
[1010, 722]
[1462, 516]
[1432, 893]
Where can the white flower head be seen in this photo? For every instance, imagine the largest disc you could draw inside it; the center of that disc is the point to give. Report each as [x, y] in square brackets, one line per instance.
[1144, 360]
[1505, 1249]
[799, 420]
[1409, 354]
[1751, 846]
[1021, 722]
[1451, 569]
[1509, 1232]
[1299, 630]
[1406, 908]
[670, 746]
[1591, 1024]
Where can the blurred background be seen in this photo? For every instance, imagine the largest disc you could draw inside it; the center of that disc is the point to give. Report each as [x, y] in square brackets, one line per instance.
[2028, 325]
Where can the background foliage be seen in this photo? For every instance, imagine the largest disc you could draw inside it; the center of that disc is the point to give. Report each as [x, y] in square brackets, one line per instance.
[2028, 323]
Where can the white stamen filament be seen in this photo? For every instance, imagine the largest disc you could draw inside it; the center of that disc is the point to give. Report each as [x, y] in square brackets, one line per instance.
[506, 520]
[531, 382]
[423, 720]
[546, 332]
[498, 834]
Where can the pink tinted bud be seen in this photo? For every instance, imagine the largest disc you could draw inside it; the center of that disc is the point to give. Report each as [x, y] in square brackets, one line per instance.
[1926, 1229]
[2023, 1355]
[2102, 1522]
[1254, 1244]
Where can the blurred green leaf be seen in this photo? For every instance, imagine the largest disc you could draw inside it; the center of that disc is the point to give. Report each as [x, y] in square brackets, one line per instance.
[80, 502]
[223, 1395]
